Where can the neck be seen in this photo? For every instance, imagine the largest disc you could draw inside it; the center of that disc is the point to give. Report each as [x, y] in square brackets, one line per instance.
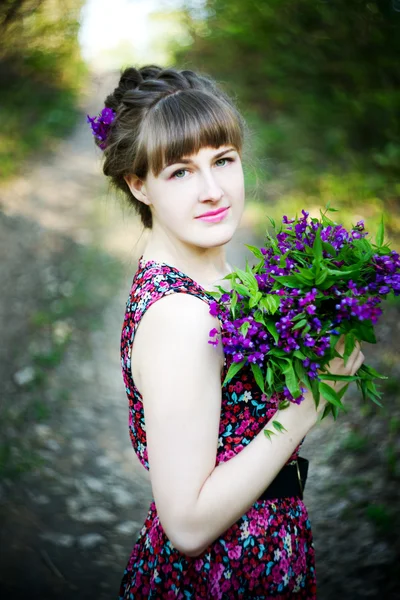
[206, 266]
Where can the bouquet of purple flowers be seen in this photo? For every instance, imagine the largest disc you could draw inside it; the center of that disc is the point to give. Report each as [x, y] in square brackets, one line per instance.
[314, 282]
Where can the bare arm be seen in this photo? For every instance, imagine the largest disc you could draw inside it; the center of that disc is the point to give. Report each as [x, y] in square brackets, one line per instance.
[180, 384]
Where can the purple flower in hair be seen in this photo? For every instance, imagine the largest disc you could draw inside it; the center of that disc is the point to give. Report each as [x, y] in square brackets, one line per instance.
[100, 125]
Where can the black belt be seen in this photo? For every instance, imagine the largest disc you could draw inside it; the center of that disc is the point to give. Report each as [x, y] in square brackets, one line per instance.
[290, 481]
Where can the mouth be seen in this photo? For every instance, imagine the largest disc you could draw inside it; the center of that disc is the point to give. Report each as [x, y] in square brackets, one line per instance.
[215, 215]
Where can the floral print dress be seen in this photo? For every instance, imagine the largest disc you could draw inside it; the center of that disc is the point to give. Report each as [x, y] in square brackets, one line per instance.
[268, 552]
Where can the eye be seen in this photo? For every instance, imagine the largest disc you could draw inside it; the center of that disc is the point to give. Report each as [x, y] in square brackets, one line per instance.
[227, 159]
[177, 174]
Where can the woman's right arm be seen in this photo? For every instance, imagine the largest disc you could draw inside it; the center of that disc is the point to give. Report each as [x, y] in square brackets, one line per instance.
[180, 384]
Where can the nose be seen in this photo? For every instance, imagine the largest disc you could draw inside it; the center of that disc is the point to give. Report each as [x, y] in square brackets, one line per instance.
[210, 188]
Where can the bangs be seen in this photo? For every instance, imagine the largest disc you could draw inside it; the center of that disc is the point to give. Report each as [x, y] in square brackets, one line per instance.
[180, 125]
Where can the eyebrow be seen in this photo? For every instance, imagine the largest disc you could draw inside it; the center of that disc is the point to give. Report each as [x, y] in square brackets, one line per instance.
[187, 161]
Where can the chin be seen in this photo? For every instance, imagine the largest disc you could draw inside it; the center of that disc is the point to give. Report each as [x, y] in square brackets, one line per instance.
[215, 237]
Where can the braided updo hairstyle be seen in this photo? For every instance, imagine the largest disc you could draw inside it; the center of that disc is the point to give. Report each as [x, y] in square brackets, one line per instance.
[161, 116]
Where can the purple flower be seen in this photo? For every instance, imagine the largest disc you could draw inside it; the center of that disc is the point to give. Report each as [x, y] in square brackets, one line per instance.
[311, 308]
[100, 125]
[214, 309]
[307, 316]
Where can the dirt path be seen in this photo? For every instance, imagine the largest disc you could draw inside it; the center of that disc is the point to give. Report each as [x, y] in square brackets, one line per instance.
[68, 523]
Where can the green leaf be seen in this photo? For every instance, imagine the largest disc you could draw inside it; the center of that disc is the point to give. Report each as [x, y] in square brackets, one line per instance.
[298, 317]
[305, 330]
[244, 328]
[307, 274]
[279, 352]
[214, 294]
[258, 376]
[317, 246]
[329, 394]
[300, 324]
[282, 260]
[363, 249]
[258, 317]
[233, 370]
[371, 371]
[299, 354]
[365, 331]
[254, 300]
[353, 273]
[283, 404]
[290, 281]
[321, 277]
[278, 426]
[303, 280]
[272, 222]
[248, 279]
[328, 283]
[256, 251]
[380, 234]
[327, 411]
[334, 340]
[291, 380]
[241, 289]
[234, 299]
[300, 370]
[335, 411]
[269, 377]
[271, 303]
[268, 433]
[270, 325]
[376, 401]
[330, 377]
[329, 249]
[349, 345]
[315, 391]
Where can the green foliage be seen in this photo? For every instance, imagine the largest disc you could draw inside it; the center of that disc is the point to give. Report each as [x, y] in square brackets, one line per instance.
[380, 516]
[318, 83]
[355, 442]
[302, 62]
[41, 74]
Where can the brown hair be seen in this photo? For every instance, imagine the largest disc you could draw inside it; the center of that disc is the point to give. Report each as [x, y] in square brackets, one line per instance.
[162, 115]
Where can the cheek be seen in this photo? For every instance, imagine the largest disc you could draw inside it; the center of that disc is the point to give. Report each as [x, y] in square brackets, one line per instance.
[173, 211]
[235, 188]
[233, 180]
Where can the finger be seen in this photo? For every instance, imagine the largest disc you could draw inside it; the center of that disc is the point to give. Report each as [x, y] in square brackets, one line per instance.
[350, 362]
[357, 363]
[340, 344]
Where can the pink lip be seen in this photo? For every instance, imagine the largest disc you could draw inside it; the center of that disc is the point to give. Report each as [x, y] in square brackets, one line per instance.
[214, 216]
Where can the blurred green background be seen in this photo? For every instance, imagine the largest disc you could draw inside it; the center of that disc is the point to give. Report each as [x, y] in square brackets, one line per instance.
[318, 82]
[41, 75]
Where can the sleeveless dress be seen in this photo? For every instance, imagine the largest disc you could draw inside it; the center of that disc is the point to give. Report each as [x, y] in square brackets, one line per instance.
[268, 552]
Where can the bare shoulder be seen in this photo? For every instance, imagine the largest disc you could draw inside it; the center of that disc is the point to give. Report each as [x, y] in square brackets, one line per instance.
[176, 327]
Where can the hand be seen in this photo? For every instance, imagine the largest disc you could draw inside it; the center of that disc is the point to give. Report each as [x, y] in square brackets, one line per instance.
[337, 367]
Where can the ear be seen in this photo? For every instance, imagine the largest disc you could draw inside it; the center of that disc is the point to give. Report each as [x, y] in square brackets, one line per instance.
[137, 187]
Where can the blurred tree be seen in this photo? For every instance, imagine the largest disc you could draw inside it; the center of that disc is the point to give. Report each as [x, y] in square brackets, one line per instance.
[41, 72]
[13, 10]
[40, 35]
[331, 67]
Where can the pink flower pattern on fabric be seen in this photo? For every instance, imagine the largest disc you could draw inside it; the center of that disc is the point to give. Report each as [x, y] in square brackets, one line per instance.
[268, 553]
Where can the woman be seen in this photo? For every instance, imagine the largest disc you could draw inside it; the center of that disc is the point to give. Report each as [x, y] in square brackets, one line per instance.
[217, 528]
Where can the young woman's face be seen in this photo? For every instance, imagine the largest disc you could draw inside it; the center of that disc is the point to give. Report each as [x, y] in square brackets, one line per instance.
[200, 199]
